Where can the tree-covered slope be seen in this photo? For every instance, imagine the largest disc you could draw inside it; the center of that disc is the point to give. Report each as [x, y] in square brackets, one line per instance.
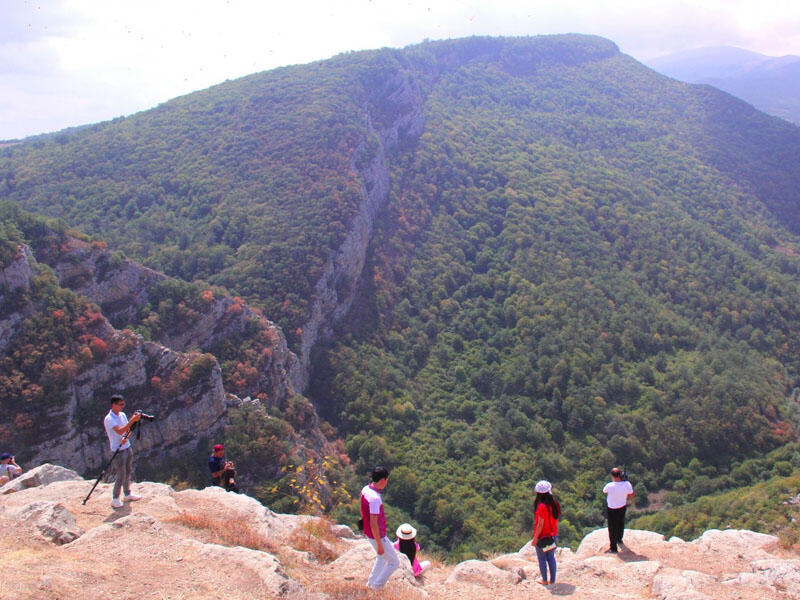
[581, 262]
[250, 184]
[580, 266]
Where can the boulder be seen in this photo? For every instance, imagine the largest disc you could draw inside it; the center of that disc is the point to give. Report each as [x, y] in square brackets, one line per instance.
[483, 573]
[644, 570]
[514, 563]
[780, 574]
[343, 531]
[52, 520]
[359, 559]
[602, 564]
[681, 585]
[269, 571]
[40, 476]
[734, 542]
[596, 542]
[743, 579]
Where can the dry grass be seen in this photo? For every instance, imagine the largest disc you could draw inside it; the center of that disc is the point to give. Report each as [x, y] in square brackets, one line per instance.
[227, 532]
[357, 590]
[789, 537]
[317, 538]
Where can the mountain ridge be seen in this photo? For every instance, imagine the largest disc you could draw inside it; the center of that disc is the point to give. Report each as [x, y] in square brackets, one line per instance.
[573, 261]
[770, 83]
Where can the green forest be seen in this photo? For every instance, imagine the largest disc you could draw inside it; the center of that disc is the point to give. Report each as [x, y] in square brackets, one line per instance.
[580, 264]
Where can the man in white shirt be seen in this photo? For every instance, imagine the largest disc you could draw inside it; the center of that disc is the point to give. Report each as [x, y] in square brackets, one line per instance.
[617, 493]
[118, 430]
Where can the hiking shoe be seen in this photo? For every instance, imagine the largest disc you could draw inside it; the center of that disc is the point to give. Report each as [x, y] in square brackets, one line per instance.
[132, 498]
[116, 503]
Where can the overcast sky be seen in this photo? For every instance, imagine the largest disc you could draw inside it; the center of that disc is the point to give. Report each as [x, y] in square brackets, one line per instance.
[72, 62]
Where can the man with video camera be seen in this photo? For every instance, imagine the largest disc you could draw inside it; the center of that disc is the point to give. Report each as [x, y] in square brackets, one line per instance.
[223, 471]
[118, 429]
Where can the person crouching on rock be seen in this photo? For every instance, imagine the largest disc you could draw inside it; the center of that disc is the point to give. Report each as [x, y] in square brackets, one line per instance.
[223, 472]
[545, 530]
[374, 527]
[8, 468]
[407, 544]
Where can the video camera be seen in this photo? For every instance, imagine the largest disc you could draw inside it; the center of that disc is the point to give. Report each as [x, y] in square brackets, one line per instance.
[142, 418]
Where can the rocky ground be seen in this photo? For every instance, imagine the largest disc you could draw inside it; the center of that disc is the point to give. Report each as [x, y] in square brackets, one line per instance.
[201, 544]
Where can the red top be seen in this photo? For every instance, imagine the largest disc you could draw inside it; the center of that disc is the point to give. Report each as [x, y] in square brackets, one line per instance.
[550, 525]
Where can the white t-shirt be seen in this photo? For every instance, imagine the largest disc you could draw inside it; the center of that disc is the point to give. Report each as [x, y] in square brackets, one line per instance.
[114, 438]
[617, 493]
[9, 470]
[373, 498]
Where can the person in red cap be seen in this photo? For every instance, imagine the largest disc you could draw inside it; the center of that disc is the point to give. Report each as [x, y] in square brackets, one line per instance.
[223, 472]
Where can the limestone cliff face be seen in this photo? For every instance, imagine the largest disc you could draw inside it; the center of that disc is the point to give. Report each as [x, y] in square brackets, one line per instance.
[184, 414]
[393, 116]
[16, 277]
[184, 390]
[122, 287]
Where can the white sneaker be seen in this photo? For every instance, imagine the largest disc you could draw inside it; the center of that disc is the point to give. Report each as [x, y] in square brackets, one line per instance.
[116, 503]
[132, 498]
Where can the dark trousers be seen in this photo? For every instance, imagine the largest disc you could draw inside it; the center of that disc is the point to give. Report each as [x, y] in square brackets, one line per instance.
[225, 479]
[616, 525]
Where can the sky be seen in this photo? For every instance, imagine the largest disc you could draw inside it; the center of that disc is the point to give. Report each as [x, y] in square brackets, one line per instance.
[72, 62]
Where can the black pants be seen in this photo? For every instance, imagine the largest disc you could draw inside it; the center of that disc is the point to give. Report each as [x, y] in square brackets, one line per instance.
[616, 525]
[226, 481]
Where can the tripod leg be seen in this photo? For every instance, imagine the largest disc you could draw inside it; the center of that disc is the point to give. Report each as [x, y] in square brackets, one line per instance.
[105, 468]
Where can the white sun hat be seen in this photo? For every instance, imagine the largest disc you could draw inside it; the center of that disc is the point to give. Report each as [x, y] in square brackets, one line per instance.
[406, 532]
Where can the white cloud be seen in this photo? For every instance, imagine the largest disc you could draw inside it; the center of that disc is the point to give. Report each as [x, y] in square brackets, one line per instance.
[68, 62]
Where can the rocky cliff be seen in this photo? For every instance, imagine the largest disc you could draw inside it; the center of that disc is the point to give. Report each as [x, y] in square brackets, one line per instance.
[127, 292]
[184, 389]
[393, 117]
[58, 547]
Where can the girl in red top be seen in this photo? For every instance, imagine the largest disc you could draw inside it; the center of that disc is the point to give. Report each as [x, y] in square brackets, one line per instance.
[545, 529]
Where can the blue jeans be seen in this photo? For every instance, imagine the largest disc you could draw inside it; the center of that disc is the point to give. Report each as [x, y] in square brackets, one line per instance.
[545, 559]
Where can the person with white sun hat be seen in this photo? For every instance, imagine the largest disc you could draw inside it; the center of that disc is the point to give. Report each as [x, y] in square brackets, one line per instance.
[407, 544]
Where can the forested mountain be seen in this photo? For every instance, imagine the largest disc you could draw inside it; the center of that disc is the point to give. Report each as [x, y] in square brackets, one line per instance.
[536, 258]
[769, 83]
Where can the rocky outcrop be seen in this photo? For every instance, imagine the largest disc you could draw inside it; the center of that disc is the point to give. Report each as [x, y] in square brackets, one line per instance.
[190, 409]
[393, 118]
[484, 574]
[122, 288]
[38, 477]
[173, 539]
[184, 390]
[49, 519]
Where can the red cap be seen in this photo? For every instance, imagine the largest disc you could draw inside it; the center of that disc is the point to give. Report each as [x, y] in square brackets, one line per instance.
[218, 447]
